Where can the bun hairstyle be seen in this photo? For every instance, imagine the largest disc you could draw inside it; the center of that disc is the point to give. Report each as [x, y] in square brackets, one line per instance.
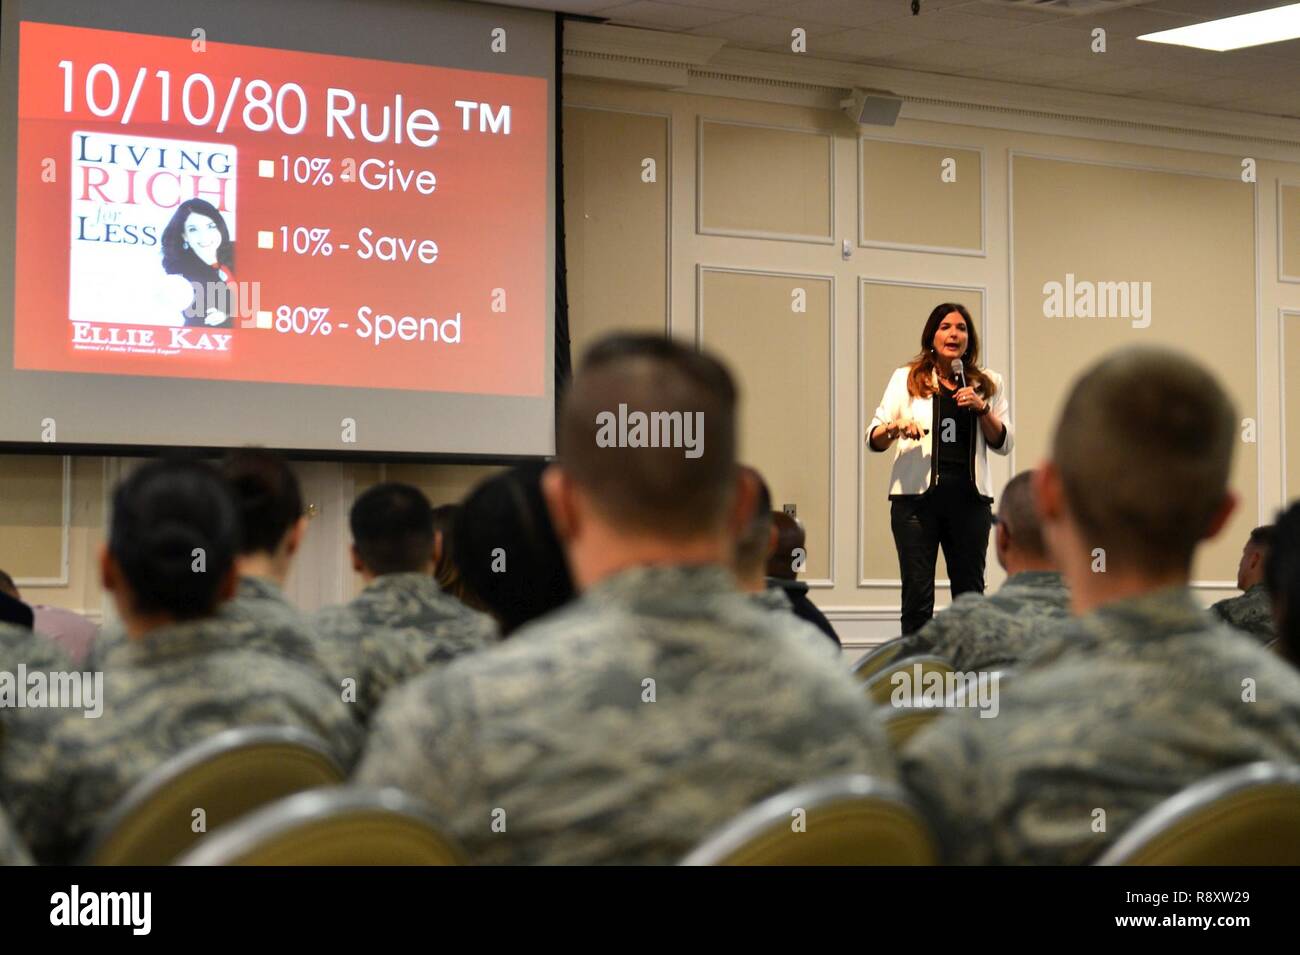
[267, 494]
[164, 516]
[507, 511]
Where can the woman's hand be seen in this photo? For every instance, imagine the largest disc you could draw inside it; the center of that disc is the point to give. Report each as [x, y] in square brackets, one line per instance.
[909, 429]
[967, 398]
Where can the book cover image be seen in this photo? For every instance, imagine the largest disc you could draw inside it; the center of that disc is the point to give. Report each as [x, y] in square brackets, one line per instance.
[152, 245]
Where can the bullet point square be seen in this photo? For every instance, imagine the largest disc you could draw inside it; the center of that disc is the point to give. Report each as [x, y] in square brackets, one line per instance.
[263, 319]
[266, 168]
[265, 239]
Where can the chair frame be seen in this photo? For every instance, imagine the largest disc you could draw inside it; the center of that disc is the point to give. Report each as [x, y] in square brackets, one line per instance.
[285, 815]
[775, 811]
[870, 656]
[162, 776]
[1193, 800]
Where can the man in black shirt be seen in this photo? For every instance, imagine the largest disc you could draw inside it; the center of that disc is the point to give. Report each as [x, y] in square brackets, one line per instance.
[781, 572]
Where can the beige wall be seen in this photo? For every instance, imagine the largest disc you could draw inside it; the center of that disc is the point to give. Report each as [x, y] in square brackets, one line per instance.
[778, 181]
[1188, 241]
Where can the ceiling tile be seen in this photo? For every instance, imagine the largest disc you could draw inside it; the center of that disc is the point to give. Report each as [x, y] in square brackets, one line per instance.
[845, 13]
[584, 7]
[663, 16]
[760, 32]
[1032, 69]
[1213, 9]
[735, 7]
[864, 45]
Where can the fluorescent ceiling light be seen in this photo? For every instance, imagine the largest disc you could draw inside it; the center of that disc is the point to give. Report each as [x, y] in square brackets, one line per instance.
[1234, 33]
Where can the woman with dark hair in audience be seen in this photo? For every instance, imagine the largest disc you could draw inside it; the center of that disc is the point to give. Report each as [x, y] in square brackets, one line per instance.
[1282, 578]
[269, 501]
[183, 674]
[445, 569]
[507, 551]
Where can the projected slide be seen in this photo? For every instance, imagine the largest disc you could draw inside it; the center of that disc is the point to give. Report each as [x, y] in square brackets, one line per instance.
[240, 213]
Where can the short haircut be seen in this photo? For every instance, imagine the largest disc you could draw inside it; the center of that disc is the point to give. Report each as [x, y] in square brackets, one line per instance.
[751, 545]
[1017, 513]
[1144, 447]
[7, 585]
[652, 490]
[267, 494]
[506, 547]
[392, 529]
[1282, 579]
[790, 536]
[1261, 537]
[174, 533]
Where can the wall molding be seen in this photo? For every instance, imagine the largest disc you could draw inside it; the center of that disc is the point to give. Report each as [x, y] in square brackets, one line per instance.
[700, 229]
[1278, 207]
[982, 252]
[1282, 315]
[872, 583]
[65, 535]
[1259, 329]
[668, 198]
[700, 268]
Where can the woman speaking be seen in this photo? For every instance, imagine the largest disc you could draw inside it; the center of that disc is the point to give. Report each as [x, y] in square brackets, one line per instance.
[939, 491]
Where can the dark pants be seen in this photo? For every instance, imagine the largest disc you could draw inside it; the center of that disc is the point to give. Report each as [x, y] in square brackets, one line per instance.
[951, 516]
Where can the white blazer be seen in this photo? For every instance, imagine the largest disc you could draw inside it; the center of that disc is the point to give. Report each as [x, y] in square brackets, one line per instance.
[913, 457]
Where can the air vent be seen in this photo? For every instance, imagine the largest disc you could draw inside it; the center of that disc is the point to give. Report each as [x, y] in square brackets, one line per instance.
[1069, 8]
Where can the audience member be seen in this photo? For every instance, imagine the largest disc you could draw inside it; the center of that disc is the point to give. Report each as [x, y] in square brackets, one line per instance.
[1251, 612]
[509, 556]
[71, 632]
[754, 545]
[12, 850]
[783, 566]
[1282, 580]
[14, 612]
[446, 569]
[402, 621]
[630, 724]
[988, 632]
[1145, 693]
[183, 676]
[269, 501]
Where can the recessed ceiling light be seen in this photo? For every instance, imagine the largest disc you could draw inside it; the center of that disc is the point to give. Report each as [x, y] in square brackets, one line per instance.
[1235, 33]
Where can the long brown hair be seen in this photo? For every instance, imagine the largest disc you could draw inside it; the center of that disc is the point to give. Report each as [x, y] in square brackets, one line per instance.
[919, 384]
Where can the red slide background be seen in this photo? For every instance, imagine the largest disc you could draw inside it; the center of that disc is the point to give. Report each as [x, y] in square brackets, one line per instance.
[487, 215]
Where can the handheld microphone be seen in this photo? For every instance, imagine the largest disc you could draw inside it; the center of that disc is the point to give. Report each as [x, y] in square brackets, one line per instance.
[958, 369]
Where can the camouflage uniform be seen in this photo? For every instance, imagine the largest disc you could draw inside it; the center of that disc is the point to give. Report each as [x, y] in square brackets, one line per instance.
[175, 687]
[979, 632]
[1133, 703]
[12, 850]
[264, 621]
[1251, 612]
[554, 734]
[776, 600]
[37, 651]
[394, 629]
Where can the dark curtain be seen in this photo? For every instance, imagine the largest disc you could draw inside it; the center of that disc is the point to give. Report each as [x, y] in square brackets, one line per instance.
[563, 360]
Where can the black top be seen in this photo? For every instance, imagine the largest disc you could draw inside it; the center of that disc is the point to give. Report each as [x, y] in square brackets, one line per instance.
[804, 608]
[955, 434]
